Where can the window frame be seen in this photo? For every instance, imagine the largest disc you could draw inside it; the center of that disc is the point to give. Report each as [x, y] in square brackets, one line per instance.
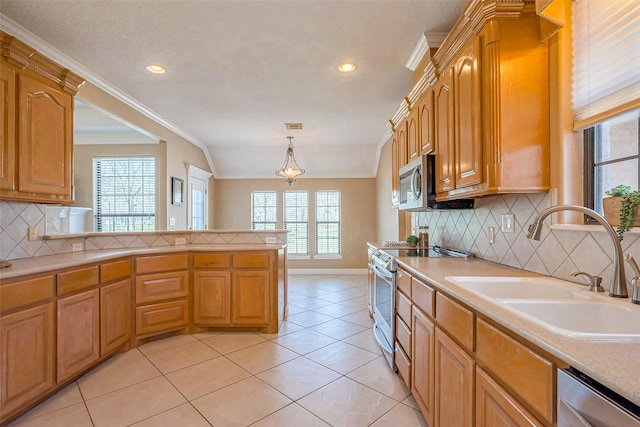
[318, 222]
[290, 236]
[591, 136]
[98, 181]
[275, 207]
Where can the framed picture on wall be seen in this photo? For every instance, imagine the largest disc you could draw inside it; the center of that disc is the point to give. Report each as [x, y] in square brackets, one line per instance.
[177, 189]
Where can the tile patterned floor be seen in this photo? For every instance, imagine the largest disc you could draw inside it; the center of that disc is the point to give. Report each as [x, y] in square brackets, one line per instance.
[322, 368]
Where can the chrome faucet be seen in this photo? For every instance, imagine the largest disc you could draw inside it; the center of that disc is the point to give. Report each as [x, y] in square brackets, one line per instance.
[618, 288]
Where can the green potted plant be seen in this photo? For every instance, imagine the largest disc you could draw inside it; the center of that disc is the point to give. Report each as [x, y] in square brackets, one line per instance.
[621, 208]
[412, 241]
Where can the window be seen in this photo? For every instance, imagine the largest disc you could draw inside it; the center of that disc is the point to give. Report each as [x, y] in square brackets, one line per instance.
[296, 221]
[125, 189]
[612, 157]
[263, 210]
[328, 223]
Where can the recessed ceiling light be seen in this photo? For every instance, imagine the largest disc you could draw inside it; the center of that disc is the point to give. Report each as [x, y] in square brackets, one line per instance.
[346, 67]
[156, 69]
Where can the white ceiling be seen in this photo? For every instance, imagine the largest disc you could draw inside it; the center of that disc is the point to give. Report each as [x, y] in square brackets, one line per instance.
[238, 70]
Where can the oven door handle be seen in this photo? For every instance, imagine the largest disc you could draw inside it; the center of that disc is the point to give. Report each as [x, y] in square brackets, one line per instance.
[383, 274]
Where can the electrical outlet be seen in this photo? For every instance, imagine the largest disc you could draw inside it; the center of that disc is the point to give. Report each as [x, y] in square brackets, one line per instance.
[77, 247]
[172, 221]
[32, 234]
[180, 241]
[492, 235]
[508, 223]
[271, 240]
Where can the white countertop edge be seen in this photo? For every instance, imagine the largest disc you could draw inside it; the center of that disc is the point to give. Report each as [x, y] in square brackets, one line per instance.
[42, 264]
[158, 232]
[609, 362]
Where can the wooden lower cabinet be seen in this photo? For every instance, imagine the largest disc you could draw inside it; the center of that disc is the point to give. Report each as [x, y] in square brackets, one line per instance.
[211, 298]
[115, 316]
[454, 383]
[78, 333]
[250, 298]
[422, 379]
[27, 350]
[497, 408]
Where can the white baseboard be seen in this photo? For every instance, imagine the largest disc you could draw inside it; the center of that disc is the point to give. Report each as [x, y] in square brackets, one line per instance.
[348, 271]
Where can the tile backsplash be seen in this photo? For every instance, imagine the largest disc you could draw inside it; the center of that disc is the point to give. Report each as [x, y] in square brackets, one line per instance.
[17, 217]
[559, 252]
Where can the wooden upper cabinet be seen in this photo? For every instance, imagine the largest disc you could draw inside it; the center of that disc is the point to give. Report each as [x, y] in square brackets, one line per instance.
[413, 134]
[443, 128]
[401, 139]
[395, 172]
[467, 116]
[37, 125]
[45, 132]
[8, 128]
[425, 123]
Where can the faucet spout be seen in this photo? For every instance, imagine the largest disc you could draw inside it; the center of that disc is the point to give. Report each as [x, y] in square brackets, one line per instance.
[618, 288]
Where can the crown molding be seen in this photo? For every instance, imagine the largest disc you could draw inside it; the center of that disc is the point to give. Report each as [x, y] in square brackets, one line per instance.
[10, 27]
[425, 42]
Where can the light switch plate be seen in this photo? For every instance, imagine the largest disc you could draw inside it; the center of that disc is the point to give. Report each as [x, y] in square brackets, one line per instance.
[77, 247]
[271, 240]
[32, 234]
[180, 241]
[508, 223]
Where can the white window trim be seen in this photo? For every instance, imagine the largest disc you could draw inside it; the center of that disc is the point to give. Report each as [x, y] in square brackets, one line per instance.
[328, 256]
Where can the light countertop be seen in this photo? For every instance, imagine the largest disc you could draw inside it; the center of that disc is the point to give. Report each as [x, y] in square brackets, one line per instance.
[612, 363]
[41, 264]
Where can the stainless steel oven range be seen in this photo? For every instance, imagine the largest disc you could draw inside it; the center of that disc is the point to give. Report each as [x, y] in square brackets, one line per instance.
[384, 292]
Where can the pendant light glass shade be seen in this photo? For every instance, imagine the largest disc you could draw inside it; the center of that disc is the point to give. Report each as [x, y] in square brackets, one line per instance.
[290, 169]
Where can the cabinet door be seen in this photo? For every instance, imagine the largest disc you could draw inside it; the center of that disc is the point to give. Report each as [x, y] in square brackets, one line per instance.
[496, 408]
[413, 135]
[401, 136]
[250, 300]
[422, 384]
[443, 128]
[115, 316]
[395, 172]
[212, 298]
[425, 123]
[8, 128]
[454, 391]
[468, 123]
[27, 357]
[45, 117]
[78, 333]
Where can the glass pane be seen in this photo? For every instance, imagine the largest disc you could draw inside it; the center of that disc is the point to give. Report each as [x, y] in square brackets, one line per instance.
[617, 138]
[613, 174]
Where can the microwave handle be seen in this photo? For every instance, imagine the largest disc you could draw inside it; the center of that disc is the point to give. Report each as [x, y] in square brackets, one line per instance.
[415, 176]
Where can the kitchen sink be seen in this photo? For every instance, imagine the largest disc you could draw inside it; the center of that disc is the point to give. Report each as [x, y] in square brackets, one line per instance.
[518, 287]
[582, 319]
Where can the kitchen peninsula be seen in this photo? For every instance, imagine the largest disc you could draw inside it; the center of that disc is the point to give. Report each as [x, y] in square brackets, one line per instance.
[72, 310]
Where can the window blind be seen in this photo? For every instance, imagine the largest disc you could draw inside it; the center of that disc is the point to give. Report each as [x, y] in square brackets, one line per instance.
[328, 223]
[606, 62]
[263, 210]
[296, 221]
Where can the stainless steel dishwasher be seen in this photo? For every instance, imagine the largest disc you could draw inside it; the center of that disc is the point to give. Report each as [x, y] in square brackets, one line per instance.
[583, 402]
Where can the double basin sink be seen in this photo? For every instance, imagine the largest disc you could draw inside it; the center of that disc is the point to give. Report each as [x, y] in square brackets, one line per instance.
[560, 306]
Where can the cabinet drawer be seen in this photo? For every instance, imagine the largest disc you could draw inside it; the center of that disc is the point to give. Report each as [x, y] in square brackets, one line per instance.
[403, 281]
[403, 335]
[456, 320]
[403, 306]
[26, 292]
[526, 373]
[220, 260]
[78, 279]
[404, 365]
[156, 287]
[161, 317]
[251, 260]
[493, 402]
[157, 264]
[113, 271]
[424, 297]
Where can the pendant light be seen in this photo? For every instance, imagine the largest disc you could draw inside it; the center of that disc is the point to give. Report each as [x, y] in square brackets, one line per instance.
[290, 169]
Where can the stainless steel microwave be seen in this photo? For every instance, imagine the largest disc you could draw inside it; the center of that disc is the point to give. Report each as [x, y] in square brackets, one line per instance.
[418, 188]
